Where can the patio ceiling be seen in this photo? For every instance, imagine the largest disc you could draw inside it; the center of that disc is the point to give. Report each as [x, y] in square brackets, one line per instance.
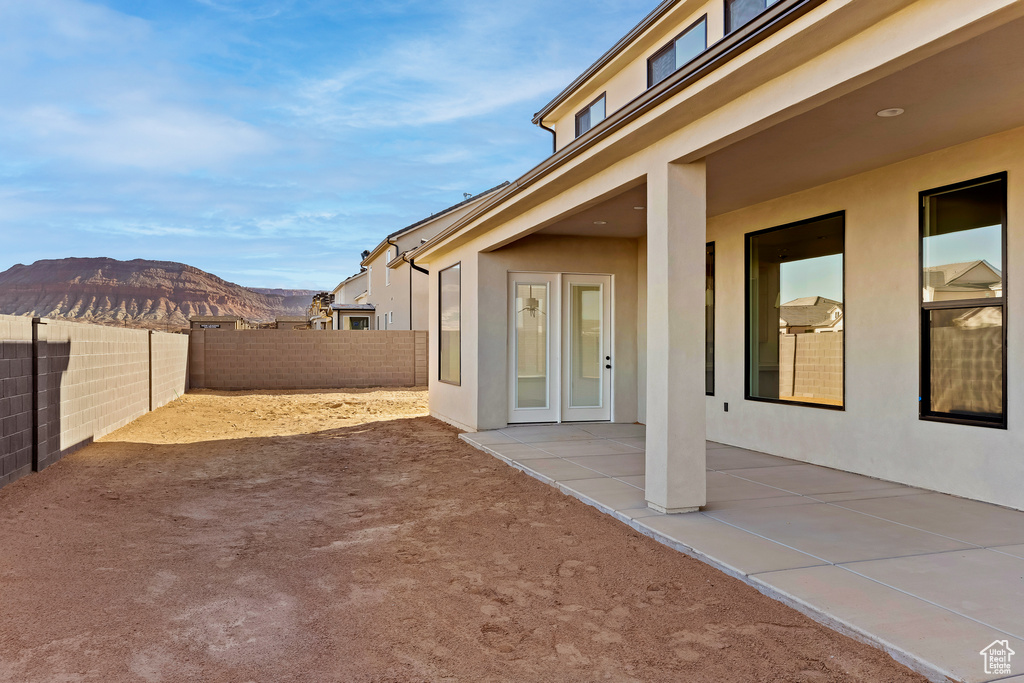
[616, 216]
[969, 91]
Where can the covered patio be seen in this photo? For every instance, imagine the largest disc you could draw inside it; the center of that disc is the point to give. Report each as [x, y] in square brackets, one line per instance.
[931, 578]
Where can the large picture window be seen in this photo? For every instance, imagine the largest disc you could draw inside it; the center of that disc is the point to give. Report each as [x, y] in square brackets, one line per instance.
[683, 49]
[450, 327]
[963, 298]
[709, 321]
[795, 313]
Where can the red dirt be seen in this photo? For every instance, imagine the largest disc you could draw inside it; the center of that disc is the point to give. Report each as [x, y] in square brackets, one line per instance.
[343, 536]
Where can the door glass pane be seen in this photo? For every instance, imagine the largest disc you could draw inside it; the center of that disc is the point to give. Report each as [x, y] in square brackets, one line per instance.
[962, 243]
[532, 310]
[796, 313]
[586, 362]
[967, 361]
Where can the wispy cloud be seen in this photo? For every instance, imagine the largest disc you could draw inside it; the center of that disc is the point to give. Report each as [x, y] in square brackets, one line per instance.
[220, 132]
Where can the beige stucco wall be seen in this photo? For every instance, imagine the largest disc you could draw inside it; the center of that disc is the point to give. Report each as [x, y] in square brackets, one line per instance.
[481, 402]
[879, 432]
[626, 76]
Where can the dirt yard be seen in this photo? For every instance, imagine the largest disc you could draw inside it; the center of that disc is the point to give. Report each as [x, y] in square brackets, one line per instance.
[344, 536]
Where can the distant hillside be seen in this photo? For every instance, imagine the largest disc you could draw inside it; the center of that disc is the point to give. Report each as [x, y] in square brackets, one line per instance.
[138, 293]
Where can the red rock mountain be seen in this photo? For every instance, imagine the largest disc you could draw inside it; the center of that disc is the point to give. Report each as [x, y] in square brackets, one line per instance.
[138, 293]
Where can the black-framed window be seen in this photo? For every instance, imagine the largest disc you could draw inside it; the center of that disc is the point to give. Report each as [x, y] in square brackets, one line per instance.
[682, 50]
[963, 302]
[593, 114]
[795, 313]
[450, 324]
[709, 320]
[740, 12]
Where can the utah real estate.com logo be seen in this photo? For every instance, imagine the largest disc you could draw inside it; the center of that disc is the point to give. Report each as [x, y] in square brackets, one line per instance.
[997, 657]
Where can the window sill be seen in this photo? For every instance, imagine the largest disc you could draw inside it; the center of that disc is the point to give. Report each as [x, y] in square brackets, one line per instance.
[805, 404]
[964, 421]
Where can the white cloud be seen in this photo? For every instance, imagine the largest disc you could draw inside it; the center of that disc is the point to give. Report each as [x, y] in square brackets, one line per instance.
[138, 132]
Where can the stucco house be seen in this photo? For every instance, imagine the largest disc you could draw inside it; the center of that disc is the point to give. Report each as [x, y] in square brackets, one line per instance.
[396, 286]
[725, 157]
[350, 310]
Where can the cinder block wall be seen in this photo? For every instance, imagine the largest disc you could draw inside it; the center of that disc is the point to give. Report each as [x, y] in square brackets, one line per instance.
[811, 365]
[15, 398]
[307, 359]
[168, 368]
[63, 384]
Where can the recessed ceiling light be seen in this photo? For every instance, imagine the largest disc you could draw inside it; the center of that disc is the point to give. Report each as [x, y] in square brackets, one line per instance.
[639, 208]
[600, 222]
[889, 113]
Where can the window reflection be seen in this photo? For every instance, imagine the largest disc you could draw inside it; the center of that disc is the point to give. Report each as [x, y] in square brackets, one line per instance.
[796, 312]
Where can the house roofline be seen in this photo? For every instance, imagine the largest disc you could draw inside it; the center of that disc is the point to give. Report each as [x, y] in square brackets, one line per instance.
[607, 57]
[385, 243]
[736, 43]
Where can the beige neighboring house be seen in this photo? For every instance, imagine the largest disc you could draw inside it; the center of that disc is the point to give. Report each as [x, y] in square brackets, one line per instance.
[636, 273]
[350, 311]
[396, 286]
[291, 322]
[951, 281]
[218, 322]
[810, 314]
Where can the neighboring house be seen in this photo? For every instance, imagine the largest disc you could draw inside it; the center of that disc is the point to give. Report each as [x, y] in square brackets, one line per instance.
[352, 316]
[350, 311]
[810, 314]
[973, 279]
[396, 286]
[319, 312]
[724, 151]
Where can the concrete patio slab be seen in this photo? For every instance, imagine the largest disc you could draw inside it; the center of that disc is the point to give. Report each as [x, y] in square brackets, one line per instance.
[867, 494]
[634, 441]
[738, 458]
[581, 447]
[730, 548]
[722, 487]
[810, 479]
[835, 534]
[614, 431]
[639, 481]
[534, 433]
[621, 465]
[906, 627]
[973, 583]
[965, 520]
[1015, 550]
[556, 469]
[892, 565]
[612, 493]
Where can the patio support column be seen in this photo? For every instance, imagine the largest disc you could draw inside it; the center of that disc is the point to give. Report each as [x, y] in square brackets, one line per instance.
[676, 237]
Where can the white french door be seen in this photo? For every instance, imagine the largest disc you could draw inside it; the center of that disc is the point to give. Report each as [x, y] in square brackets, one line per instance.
[559, 347]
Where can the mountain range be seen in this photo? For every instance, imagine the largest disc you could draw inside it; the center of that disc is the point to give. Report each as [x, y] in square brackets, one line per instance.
[137, 293]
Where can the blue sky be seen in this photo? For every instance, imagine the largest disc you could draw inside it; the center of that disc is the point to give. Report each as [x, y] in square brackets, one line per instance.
[270, 141]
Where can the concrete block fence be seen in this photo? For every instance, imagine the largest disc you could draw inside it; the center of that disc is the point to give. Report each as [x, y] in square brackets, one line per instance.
[64, 384]
[307, 359]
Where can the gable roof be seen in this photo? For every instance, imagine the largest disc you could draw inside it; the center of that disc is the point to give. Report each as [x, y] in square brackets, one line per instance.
[809, 311]
[948, 273]
[385, 243]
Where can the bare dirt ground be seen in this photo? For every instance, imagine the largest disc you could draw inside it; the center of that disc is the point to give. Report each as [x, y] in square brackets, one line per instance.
[344, 536]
